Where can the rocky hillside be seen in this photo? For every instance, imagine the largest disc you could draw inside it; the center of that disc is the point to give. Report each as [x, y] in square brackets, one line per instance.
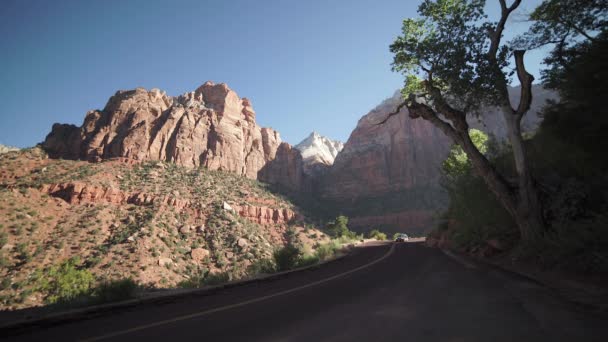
[156, 222]
[4, 149]
[210, 127]
[318, 151]
[387, 176]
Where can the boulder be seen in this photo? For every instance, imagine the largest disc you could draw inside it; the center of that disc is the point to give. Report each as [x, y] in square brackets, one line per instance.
[165, 261]
[199, 254]
[227, 207]
[242, 242]
[185, 229]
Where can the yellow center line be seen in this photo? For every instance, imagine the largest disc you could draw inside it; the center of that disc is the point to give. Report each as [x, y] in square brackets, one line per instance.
[228, 307]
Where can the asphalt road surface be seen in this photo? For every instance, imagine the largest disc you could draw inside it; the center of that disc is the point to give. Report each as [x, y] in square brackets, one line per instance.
[380, 293]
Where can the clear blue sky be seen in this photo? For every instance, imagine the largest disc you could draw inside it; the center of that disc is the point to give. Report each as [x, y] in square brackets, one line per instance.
[306, 65]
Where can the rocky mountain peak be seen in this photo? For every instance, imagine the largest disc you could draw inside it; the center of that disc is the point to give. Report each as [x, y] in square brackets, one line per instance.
[210, 127]
[317, 149]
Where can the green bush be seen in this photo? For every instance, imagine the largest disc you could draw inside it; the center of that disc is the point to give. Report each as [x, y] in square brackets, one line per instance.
[216, 278]
[115, 290]
[326, 250]
[65, 282]
[308, 260]
[261, 266]
[287, 257]
[3, 239]
[205, 278]
[339, 228]
[376, 234]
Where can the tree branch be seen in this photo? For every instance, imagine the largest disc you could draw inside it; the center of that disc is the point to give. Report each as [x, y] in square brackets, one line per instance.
[525, 79]
[496, 34]
[397, 111]
[417, 110]
[457, 117]
[577, 29]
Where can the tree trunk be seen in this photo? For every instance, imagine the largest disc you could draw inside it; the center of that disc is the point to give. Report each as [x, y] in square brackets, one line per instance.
[529, 210]
[523, 205]
[493, 179]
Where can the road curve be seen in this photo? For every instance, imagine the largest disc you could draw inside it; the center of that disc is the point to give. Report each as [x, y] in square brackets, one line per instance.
[412, 293]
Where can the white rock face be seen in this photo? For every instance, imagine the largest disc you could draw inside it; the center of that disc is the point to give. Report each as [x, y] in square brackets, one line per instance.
[5, 149]
[317, 149]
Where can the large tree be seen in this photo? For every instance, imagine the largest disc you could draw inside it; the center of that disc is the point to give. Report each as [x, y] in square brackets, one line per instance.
[455, 62]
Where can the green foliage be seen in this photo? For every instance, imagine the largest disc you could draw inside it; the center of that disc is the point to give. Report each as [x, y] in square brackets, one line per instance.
[579, 246]
[326, 250]
[261, 266]
[308, 260]
[5, 283]
[457, 163]
[447, 46]
[115, 290]
[376, 234]
[476, 214]
[216, 278]
[203, 277]
[65, 282]
[339, 228]
[570, 26]
[287, 257]
[3, 239]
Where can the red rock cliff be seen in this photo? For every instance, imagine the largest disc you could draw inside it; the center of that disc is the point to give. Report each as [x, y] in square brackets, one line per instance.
[211, 127]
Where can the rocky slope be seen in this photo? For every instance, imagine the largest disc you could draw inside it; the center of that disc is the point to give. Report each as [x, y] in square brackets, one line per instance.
[153, 221]
[318, 151]
[4, 149]
[387, 176]
[211, 127]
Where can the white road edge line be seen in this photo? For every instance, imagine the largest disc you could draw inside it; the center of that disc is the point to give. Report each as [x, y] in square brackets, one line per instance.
[227, 307]
[458, 259]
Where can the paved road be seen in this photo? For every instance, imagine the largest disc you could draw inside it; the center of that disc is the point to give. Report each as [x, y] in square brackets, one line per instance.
[408, 293]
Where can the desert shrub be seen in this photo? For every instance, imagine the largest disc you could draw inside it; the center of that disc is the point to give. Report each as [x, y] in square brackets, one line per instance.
[376, 234]
[195, 279]
[4, 261]
[3, 239]
[5, 283]
[287, 257]
[261, 266]
[115, 290]
[65, 282]
[202, 277]
[308, 260]
[578, 246]
[326, 250]
[216, 278]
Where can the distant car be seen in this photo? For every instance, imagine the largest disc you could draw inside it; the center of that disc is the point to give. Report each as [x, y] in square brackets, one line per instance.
[402, 238]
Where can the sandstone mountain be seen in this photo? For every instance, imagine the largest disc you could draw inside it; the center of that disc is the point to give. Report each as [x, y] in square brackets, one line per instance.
[318, 151]
[387, 176]
[211, 127]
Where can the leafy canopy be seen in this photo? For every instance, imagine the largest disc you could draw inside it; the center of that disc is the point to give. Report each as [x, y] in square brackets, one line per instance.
[570, 26]
[457, 163]
[447, 48]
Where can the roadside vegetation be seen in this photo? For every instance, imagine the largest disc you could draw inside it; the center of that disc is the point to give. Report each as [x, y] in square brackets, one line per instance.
[566, 163]
[291, 256]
